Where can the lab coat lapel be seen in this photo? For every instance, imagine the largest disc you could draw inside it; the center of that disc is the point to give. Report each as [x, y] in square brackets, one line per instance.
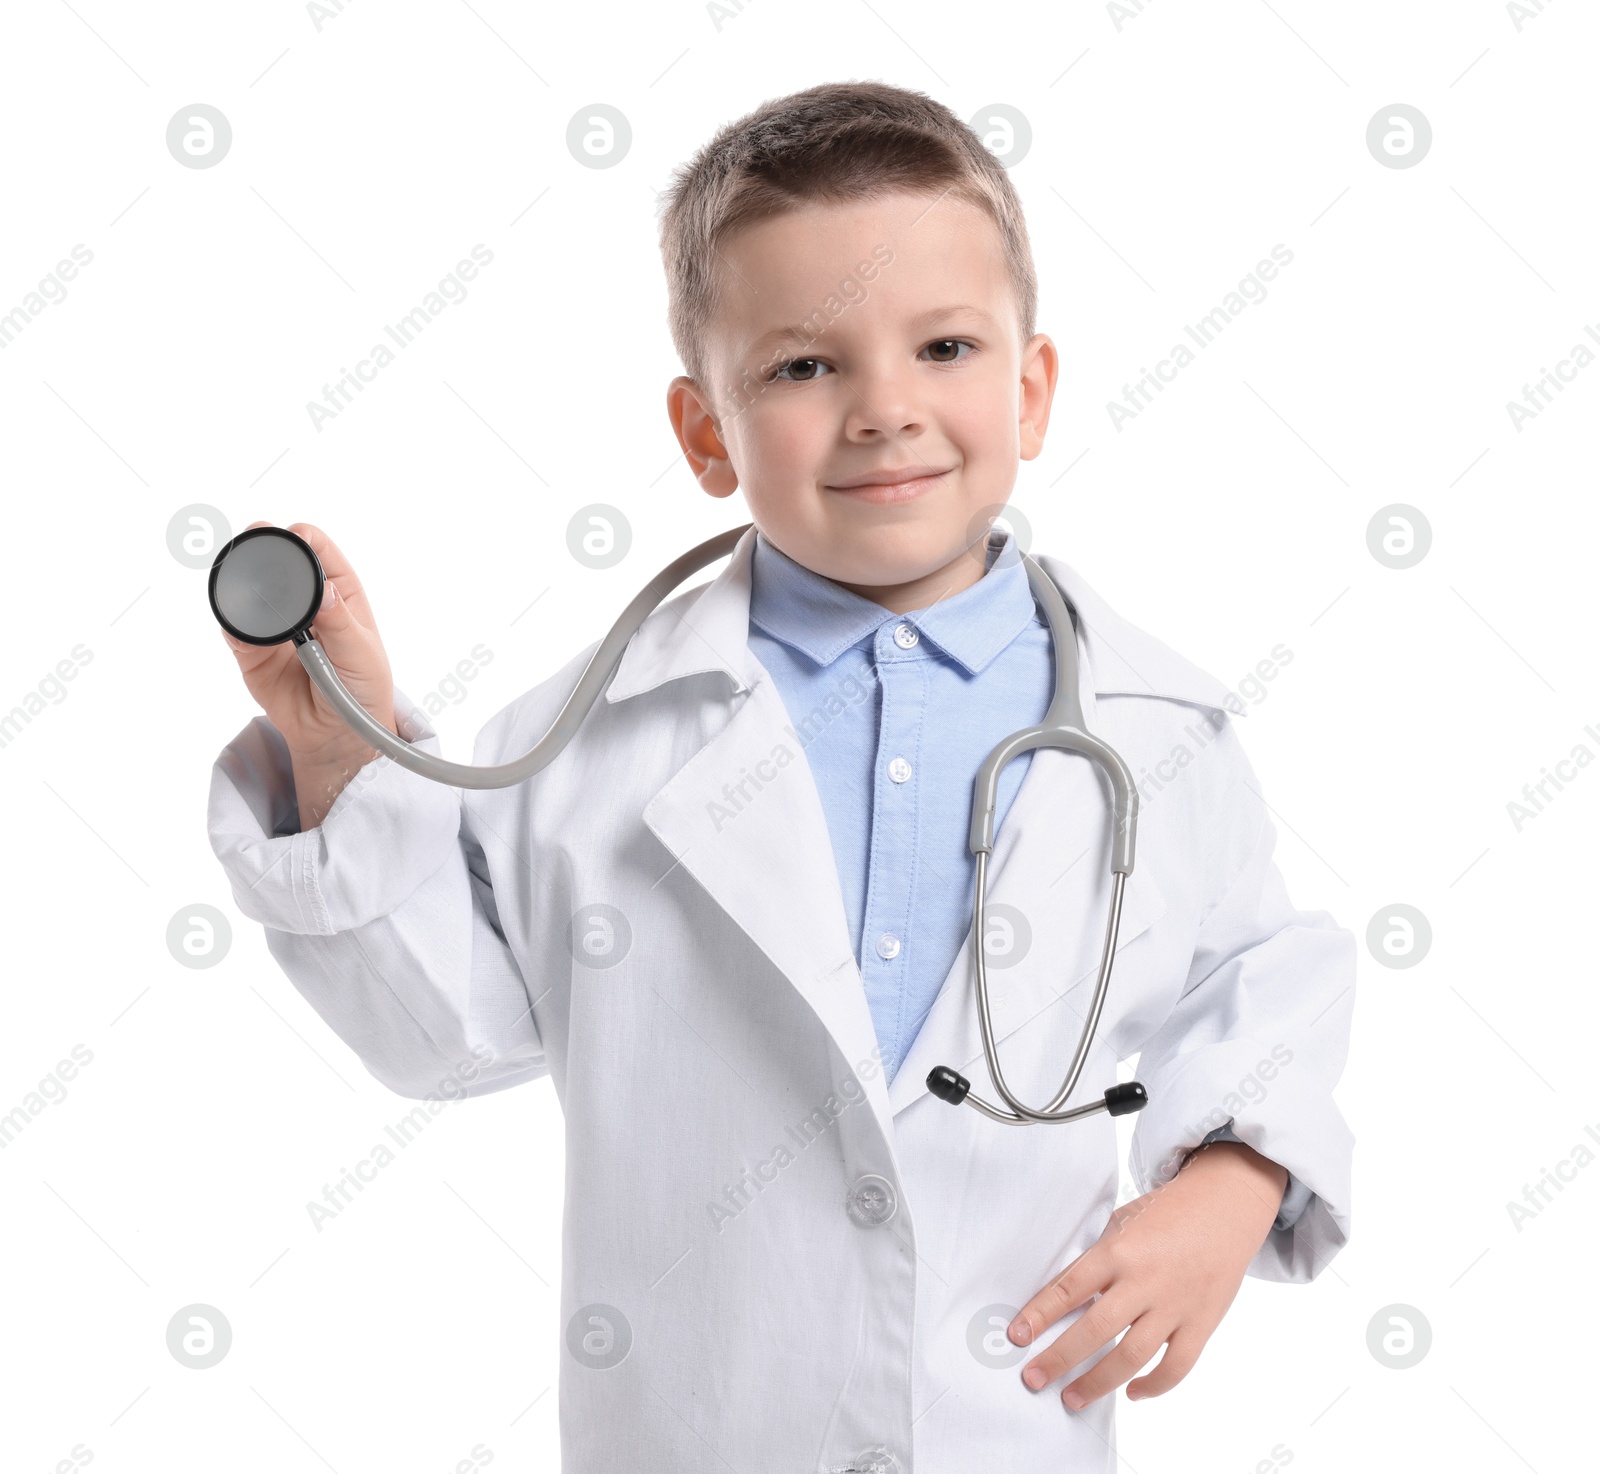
[744, 818]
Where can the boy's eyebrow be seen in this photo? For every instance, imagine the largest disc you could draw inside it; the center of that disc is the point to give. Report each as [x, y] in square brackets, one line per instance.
[802, 336]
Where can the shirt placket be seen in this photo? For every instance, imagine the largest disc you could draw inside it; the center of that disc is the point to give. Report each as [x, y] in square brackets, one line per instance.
[887, 945]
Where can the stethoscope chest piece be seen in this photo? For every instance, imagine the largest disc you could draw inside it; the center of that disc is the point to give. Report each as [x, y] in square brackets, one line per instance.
[266, 586]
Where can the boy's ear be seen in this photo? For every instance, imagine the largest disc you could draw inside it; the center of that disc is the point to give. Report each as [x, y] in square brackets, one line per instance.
[1040, 366]
[695, 424]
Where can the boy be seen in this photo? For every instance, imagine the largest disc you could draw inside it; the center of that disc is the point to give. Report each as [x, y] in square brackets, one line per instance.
[730, 919]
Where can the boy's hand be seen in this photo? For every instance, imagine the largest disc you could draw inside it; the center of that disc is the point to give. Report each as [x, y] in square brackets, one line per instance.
[1166, 1269]
[326, 754]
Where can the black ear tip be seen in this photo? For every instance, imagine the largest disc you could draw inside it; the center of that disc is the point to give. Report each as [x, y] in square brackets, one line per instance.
[948, 1085]
[1124, 1100]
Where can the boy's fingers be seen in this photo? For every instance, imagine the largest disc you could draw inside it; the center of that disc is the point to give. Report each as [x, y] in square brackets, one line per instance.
[1143, 1340]
[1183, 1351]
[338, 569]
[1101, 1323]
[1084, 1278]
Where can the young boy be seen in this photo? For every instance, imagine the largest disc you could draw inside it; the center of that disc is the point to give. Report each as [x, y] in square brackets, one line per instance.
[731, 920]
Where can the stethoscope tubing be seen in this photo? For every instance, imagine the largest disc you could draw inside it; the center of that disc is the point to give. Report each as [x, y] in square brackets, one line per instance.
[595, 678]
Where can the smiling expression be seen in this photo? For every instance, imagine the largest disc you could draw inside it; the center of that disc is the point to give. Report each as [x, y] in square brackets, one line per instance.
[875, 450]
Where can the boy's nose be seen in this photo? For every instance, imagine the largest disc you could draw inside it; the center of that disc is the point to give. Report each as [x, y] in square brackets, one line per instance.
[883, 405]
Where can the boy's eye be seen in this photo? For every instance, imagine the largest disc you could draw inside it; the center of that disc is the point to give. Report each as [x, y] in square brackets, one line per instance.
[943, 350]
[804, 370]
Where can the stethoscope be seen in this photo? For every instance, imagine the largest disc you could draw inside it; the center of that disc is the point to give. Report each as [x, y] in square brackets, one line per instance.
[266, 586]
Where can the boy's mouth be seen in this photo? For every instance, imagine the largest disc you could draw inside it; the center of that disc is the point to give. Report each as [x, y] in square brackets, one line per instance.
[895, 484]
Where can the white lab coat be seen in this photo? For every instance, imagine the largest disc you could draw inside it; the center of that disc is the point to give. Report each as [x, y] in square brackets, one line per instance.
[726, 1122]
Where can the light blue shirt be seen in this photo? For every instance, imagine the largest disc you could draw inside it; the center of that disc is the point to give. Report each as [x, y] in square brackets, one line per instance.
[895, 713]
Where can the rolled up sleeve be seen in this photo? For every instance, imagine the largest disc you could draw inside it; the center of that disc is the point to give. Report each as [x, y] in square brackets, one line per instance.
[382, 916]
[1257, 1042]
[387, 832]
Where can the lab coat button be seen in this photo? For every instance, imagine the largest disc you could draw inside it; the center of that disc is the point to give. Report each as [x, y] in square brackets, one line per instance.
[905, 636]
[899, 770]
[871, 1461]
[888, 946]
[871, 1202]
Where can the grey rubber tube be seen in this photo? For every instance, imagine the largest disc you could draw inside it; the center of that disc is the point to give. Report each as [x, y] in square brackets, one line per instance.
[595, 678]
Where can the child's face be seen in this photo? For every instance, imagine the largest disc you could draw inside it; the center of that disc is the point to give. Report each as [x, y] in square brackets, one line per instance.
[908, 357]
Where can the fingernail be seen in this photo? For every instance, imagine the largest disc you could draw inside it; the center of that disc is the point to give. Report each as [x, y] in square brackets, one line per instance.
[1074, 1400]
[1020, 1331]
[1034, 1377]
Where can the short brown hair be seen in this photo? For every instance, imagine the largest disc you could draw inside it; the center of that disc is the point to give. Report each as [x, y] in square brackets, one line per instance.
[836, 142]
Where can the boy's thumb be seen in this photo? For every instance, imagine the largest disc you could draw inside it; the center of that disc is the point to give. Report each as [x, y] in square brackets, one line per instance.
[333, 618]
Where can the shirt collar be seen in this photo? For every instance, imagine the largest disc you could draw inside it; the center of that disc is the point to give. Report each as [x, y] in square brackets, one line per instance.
[822, 619]
[707, 628]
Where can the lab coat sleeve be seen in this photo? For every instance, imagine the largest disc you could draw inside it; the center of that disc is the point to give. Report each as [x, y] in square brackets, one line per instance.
[382, 916]
[1258, 1037]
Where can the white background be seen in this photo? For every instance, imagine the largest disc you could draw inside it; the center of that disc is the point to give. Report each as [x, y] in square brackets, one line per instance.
[1169, 155]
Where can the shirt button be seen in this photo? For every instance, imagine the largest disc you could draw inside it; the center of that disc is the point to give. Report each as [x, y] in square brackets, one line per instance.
[888, 946]
[905, 636]
[871, 1201]
[899, 770]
